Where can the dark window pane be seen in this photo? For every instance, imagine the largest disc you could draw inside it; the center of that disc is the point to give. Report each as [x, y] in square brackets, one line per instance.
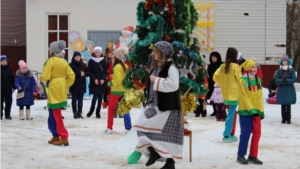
[52, 36]
[66, 56]
[63, 22]
[52, 22]
[64, 36]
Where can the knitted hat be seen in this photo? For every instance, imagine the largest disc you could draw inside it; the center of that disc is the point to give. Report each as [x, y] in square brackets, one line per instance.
[63, 51]
[57, 47]
[22, 64]
[97, 48]
[165, 47]
[121, 52]
[3, 57]
[76, 54]
[285, 57]
[248, 64]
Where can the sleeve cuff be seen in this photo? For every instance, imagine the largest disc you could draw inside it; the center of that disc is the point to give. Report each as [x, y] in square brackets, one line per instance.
[110, 84]
[156, 84]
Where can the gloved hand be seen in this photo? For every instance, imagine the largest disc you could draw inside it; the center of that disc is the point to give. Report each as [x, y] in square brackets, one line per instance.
[284, 80]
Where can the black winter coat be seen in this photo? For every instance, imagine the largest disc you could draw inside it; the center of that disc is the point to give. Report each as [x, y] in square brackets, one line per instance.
[79, 85]
[97, 71]
[7, 80]
[211, 69]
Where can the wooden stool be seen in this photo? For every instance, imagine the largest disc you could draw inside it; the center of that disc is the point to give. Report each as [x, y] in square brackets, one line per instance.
[189, 134]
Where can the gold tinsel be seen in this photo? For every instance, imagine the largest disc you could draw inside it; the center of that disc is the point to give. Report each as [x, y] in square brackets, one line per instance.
[131, 99]
[189, 103]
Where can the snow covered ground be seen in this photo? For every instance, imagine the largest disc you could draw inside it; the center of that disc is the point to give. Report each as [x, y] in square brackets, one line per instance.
[24, 143]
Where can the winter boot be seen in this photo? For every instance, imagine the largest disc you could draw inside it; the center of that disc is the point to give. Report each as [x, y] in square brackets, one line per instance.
[90, 113]
[21, 114]
[153, 156]
[170, 164]
[63, 141]
[214, 108]
[28, 114]
[288, 114]
[283, 114]
[120, 116]
[254, 160]
[75, 115]
[241, 160]
[98, 116]
[80, 115]
[53, 139]
[104, 105]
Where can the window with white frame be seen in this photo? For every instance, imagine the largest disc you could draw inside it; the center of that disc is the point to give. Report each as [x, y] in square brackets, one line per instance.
[58, 28]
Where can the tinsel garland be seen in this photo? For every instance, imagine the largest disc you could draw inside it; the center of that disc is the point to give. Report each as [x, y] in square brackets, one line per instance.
[189, 103]
[131, 99]
[151, 3]
[185, 50]
[194, 15]
[186, 83]
[188, 16]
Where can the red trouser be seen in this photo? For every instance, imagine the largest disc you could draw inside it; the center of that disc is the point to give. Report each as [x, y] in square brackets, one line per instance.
[256, 133]
[234, 124]
[60, 127]
[112, 104]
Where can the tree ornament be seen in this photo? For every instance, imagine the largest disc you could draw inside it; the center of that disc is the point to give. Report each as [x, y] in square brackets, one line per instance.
[184, 71]
[167, 38]
[180, 53]
[166, 8]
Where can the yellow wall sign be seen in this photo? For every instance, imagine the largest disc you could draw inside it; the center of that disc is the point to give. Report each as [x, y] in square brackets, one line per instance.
[205, 28]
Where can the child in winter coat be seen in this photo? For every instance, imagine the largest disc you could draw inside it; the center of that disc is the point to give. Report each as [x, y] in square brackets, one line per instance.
[79, 86]
[25, 82]
[60, 76]
[7, 87]
[286, 95]
[251, 112]
[217, 100]
[227, 77]
[98, 75]
[117, 89]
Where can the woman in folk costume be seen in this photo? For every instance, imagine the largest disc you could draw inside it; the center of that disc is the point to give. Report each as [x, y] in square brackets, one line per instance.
[251, 112]
[159, 126]
[60, 76]
[286, 95]
[227, 77]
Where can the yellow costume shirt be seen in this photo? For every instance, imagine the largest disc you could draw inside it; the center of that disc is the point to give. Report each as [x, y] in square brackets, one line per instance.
[117, 78]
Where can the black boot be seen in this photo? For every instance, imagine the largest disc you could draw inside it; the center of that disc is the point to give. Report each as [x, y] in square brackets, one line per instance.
[80, 115]
[75, 115]
[254, 160]
[90, 113]
[283, 114]
[98, 116]
[153, 156]
[288, 114]
[241, 160]
[214, 108]
[170, 164]
[120, 116]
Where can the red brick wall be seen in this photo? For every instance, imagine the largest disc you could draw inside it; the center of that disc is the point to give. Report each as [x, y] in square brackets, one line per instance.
[268, 72]
[14, 54]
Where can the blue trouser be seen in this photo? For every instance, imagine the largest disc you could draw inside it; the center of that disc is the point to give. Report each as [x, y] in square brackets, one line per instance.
[229, 120]
[127, 121]
[77, 97]
[52, 123]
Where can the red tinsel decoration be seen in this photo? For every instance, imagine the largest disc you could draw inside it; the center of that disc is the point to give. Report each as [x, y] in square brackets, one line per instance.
[151, 3]
[167, 38]
[138, 84]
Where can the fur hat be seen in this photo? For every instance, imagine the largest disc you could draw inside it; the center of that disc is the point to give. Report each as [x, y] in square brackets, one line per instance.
[57, 47]
[97, 48]
[3, 57]
[248, 64]
[165, 47]
[121, 52]
[22, 64]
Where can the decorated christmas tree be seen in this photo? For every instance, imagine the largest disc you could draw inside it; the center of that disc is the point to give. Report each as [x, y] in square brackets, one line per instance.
[173, 22]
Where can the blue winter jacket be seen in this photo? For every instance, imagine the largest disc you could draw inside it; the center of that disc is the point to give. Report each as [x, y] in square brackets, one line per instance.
[20, 81]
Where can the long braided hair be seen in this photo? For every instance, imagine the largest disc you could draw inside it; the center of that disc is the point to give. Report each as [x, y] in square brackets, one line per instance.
[256, 79]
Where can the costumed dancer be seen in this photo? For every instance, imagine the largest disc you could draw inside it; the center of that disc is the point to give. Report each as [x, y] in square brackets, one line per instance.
[7, 87]
[227, 77]
[98, 75]
[286, 94]
[251, 112]
[79, 86]
[117, 89]
[159, 127]
[25, 82]
[60, 76]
